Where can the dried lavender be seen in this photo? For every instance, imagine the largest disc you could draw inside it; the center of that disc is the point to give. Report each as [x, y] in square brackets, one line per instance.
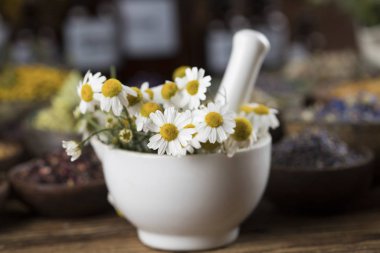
[314, 149]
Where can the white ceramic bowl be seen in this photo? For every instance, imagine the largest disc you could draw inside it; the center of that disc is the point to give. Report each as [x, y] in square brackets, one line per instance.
[195, 202]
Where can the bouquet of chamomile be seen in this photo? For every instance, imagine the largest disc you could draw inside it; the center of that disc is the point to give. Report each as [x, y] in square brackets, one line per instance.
[176, 118]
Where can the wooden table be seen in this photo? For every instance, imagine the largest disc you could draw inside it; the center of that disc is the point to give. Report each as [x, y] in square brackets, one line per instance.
[266, 230]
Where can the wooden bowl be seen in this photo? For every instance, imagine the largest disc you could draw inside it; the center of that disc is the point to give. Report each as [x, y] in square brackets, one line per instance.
[8, 162]
[328, 189]
[59, 200]
[4, 190]
[354, 134]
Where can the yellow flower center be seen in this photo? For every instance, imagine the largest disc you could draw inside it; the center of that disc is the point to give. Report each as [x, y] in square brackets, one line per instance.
[180, 72]
[191, 126]
[86, 93]
[169, 132]
[148, 108]
[259, 109]
[111, 88]
[246, 108]
[132, 100]
[110, 122]
[210, 146]
[169, 89]
[192, 87]
[214, 119]
[243, 129]
[125, 135]
[150, 93]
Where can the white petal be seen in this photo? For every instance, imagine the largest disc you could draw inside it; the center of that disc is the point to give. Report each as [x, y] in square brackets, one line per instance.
[188, 72]
[211, 107]
[82, 107]
[170, 114]
[194, 73]
[155, 138]
[117, 108]
[144, 86]
[105, 104]
[195, 143]
[183, 140]
[183, 119]
[187, 133]
[87, 77]
[221, 134]
[207, 79]
[129, 91]
[212, 136]
[203, 133]
[157, 118]
[162, 148]
[155, 142]
[177, 146]
[201, 73]
[139, 124]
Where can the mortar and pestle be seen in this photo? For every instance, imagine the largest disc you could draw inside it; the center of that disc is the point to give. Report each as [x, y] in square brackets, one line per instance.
[196, 202]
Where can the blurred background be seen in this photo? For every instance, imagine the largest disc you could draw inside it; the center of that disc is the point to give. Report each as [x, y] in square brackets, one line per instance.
[322, 70]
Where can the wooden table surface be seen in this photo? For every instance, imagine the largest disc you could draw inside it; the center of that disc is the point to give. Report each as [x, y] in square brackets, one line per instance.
[266, 230]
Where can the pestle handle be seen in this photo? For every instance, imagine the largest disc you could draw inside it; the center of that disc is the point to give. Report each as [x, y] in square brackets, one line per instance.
[248, 51]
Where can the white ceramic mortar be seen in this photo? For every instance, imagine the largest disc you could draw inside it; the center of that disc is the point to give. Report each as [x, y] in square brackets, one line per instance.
[195, 202]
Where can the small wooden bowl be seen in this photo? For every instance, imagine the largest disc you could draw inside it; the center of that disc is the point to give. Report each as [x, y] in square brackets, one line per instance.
[7, 163]
[328, 189]
[59, 200]
[354, 134]
[4, 190]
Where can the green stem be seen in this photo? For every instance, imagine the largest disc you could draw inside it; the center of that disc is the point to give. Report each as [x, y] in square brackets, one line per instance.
[130, 122]
[92, 122]
[93, 134]
[132, 127]
[113, 71]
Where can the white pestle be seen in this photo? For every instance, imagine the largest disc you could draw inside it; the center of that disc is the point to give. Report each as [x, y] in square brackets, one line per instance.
[249, 49]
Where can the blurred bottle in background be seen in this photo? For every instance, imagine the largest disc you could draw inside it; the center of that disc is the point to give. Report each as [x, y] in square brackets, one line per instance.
[275, 26]
[218, 38]
[22, 50]
[90, 41]
[150, 33]
[47, 46]
[4, 34]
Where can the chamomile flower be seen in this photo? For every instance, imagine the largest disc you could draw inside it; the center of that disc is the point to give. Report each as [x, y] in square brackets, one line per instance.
[125, 135]
[172, 137]
[142, 119]
[194, 86]
[135, 102]
[261, 116]
[73, 149]
[148, 93]
[86, 92]
[194, 142]
[180, 72]
[113, 95]
[169, 95]
[215, 123]
[243, 136]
